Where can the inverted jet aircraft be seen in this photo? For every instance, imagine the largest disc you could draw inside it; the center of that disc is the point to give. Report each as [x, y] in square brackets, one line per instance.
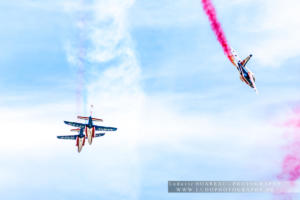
[90, 128]
[80, 137]
[245, 74]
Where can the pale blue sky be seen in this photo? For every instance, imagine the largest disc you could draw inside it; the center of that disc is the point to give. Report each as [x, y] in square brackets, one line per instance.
[155, 70]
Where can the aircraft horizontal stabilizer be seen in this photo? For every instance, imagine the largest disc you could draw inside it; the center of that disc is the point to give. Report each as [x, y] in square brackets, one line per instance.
[84, 118]
[96, 119]
[87, 118]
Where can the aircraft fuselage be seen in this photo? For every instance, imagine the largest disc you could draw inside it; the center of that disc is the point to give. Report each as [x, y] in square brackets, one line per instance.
[245, 74]
[90, 133]
[80, 140]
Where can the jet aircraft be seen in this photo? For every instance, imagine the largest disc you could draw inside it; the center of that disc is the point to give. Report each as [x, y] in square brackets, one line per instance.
[89, 127]
[245, 74]
[80, 137]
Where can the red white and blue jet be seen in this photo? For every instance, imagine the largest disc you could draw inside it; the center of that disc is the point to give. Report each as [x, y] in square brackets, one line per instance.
[89, 128]
[245, 74]
[80, 137]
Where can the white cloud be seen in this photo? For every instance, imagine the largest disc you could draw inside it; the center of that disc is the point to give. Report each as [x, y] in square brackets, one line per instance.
[166, 13]
[148, 128]
[279, 21]
[103, 27]
[274, 25]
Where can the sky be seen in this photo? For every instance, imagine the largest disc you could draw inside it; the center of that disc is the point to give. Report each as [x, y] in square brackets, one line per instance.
[154, 70]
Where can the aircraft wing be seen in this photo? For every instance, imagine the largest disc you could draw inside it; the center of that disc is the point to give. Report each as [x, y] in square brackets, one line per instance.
[79, 125]
[99, 134]
[67, 137]
[104, 128]
[244, 62]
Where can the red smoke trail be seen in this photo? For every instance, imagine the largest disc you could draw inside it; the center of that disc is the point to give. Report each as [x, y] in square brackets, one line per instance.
[216, 27]
[290, 169]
